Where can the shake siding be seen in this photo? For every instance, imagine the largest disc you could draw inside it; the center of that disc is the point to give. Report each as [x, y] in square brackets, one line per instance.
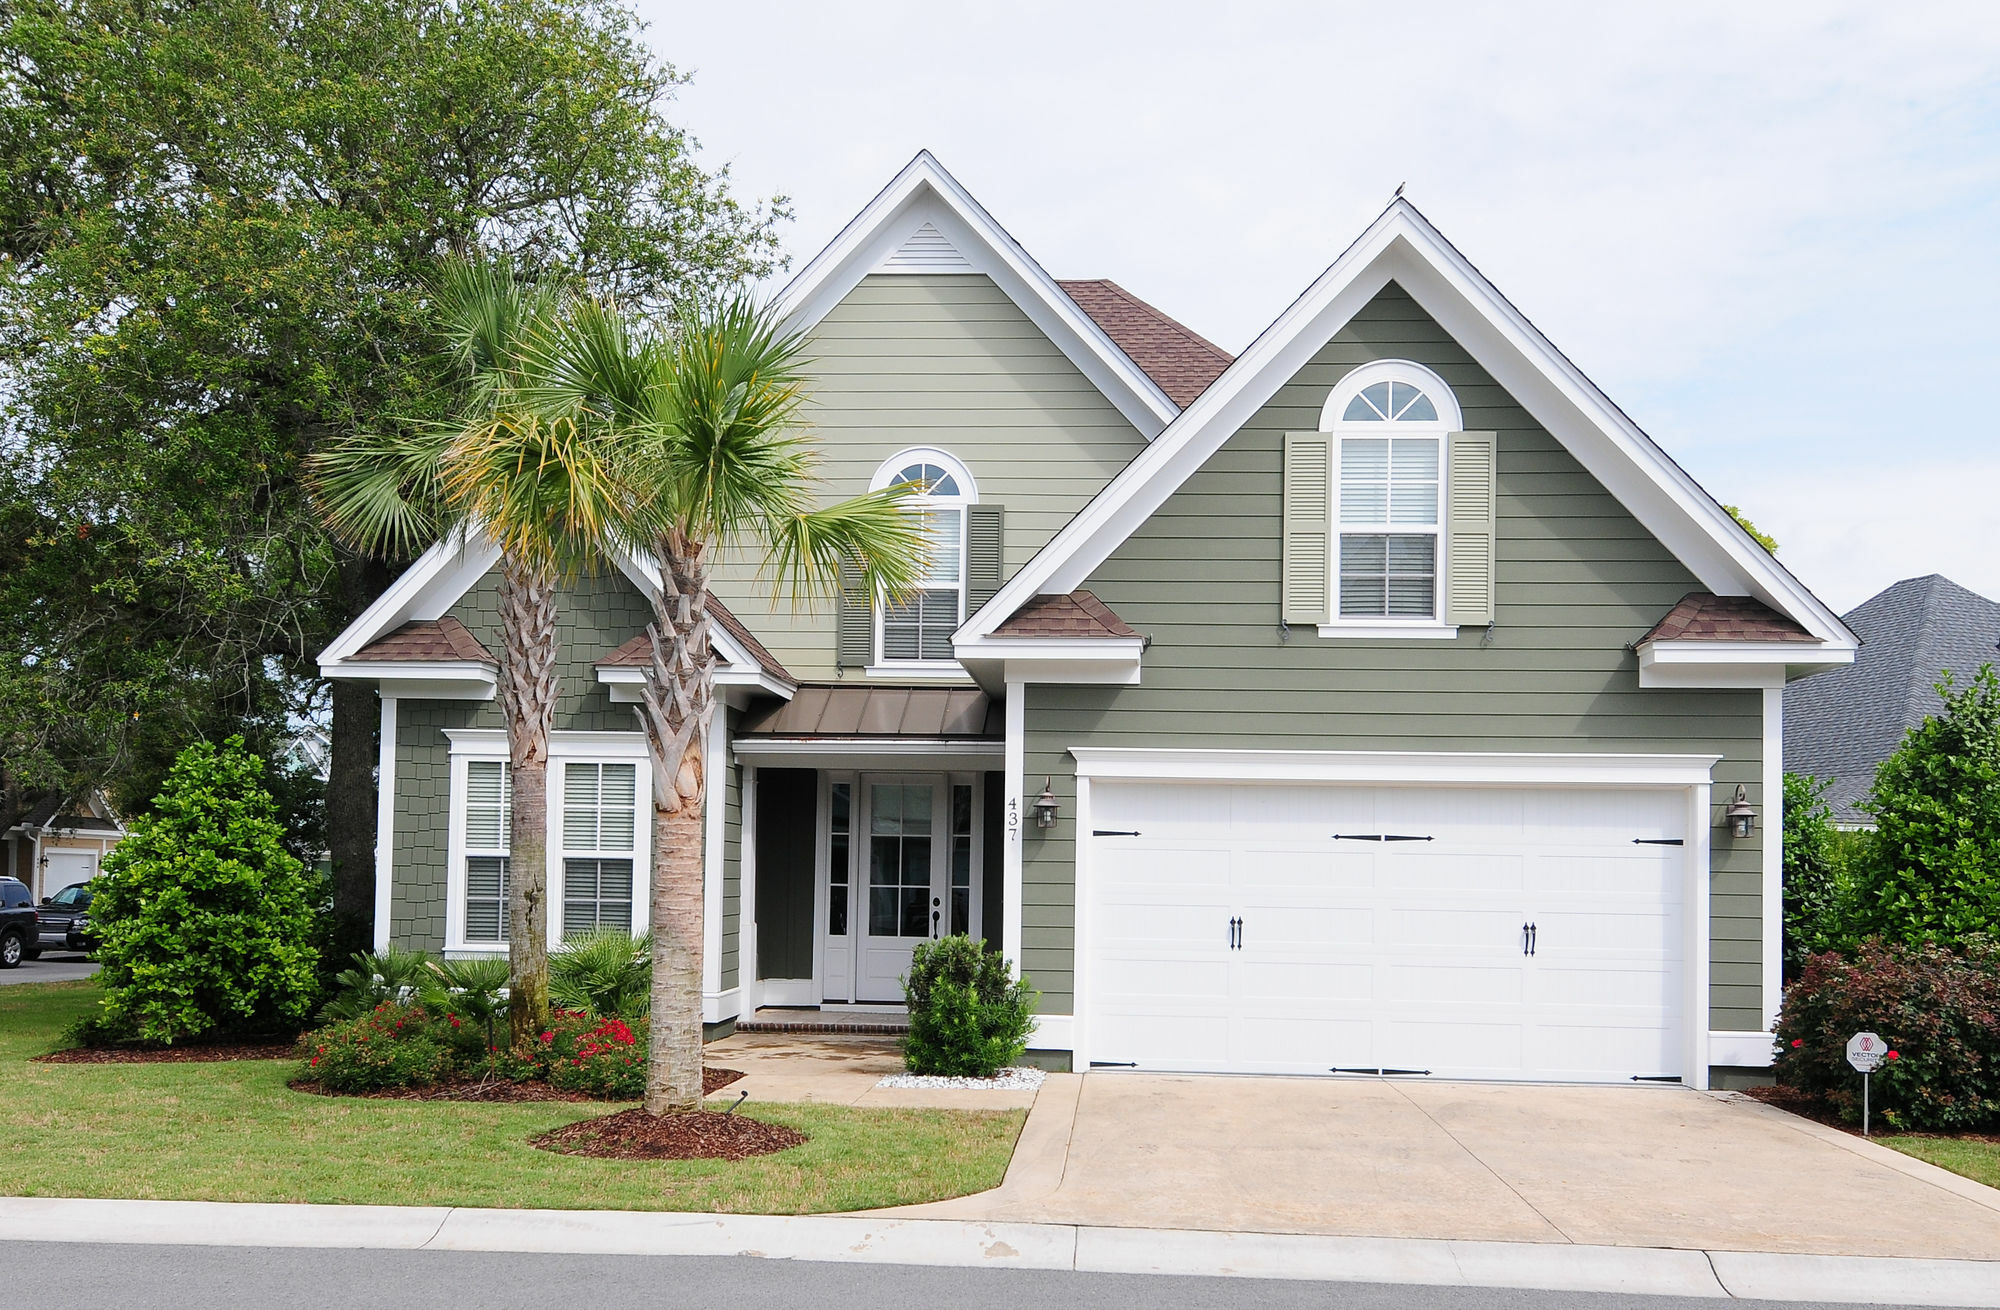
[944, 360]
[1577, 580]
[423, 800]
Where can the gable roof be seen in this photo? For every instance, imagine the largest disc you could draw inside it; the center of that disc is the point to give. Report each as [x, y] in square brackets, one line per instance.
[426, 640]
[924, 221]
[1402, 246]
[1181, 360]
[1078, 614]
[1840, 725]
[639, 650]
[1704, 616]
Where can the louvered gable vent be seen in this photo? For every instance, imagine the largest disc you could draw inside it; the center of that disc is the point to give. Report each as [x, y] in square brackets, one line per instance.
[927, 251]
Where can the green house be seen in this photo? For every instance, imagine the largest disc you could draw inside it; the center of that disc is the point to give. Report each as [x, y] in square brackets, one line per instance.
[1380, 700]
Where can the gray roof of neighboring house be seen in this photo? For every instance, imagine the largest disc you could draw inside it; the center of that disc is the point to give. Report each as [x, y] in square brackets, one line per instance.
[1841, 724]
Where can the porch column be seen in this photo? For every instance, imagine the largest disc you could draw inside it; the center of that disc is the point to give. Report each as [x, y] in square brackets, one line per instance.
[1010, 872]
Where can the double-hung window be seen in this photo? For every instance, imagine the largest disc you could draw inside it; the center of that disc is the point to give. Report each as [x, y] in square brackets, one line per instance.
[489, 815]
[599, 830]
[918, 627]
[1389, 502]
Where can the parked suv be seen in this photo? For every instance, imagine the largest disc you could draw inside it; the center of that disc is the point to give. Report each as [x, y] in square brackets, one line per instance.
[18, 938]
[65, 919]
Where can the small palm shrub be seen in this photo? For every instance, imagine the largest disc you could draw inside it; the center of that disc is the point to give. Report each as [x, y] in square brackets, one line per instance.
[608, 973]
[1937, 1008]
[375, 976]
[472, 991]
[968, 1014]
[390, 1046]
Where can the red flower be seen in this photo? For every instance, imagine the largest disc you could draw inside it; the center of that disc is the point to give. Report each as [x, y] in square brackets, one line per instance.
[1798, 1042]
[315, 1062]
[1894, 1056]
[548, 1037]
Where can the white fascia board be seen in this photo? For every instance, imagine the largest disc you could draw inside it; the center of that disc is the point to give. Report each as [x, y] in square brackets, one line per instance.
[925, 193]
[1734, 664]
[625, 680]
[939, 755]
[426, 590]
[1402, 246]
[1028, 650]
[1462, 768]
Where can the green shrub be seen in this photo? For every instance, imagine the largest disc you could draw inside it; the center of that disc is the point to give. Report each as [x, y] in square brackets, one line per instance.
[376, 976]
[390, 1046]
[606, 972]
[968, 1014]
[607, 1060]
[1939, 1012]
[1816, 898]
[473, 991]
[205, 923]
[1931, 869]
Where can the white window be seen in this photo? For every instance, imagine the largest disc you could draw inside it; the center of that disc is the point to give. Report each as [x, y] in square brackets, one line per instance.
[599, 828]
[489, 816]
[1389, 422]
[918, 628]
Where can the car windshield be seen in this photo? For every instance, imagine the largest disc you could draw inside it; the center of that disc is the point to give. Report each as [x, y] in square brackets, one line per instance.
[76, 895]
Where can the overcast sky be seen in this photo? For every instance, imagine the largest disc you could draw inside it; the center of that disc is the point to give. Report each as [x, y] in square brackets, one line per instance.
[1767, 231]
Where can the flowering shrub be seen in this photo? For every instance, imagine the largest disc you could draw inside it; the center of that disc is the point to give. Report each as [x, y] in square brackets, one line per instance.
[1939, 1012]
[390, 1046]
[606, 1060]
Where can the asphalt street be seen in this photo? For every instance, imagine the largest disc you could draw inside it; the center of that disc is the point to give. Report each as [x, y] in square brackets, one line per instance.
[49, 968]
[86, 1276]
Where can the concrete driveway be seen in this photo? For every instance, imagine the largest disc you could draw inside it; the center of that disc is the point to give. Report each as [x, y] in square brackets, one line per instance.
[1652, 1167]
[50, 968]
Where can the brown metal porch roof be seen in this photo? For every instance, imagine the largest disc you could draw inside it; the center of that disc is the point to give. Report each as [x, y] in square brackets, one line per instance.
[912, 713]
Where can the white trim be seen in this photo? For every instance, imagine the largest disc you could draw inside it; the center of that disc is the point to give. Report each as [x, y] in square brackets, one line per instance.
[1081, 983]
[1697, 1008]
[714, 818]
[385, 822]
[485, 742]
[746, 890]
[719, 1005]
[1741, 1050]
[1460, 768]
[1376, 631]
[904, 670]
[1697, 676]
[467, 745]
[1773, 821]
[1359, 379]
[426, 590]
[924, 193]
[1054, 1032]
[787, 992]
[1015, 759]
[872, 756]
[968, 489]
[1402, 246]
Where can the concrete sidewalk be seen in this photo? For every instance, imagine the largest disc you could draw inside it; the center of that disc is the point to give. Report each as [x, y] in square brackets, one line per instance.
[880, 1240]
[1595, 1167]
[836, 1069]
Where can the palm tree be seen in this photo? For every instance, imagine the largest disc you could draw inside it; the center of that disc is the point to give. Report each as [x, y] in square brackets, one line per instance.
[533, 481]
[703, 426]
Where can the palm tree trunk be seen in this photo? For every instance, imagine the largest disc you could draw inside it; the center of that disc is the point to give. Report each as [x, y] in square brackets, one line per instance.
[676, 705]
[528, 700]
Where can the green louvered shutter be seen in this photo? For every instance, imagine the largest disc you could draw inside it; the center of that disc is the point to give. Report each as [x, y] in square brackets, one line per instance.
[1470, 527]
[1307, 593]
[854, 640]
[984, 538]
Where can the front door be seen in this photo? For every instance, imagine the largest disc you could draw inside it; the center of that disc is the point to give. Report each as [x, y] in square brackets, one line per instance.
[905, 862]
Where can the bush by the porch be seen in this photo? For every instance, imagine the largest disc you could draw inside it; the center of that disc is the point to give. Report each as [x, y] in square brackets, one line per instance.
[1937, 1008]
[968, 1014]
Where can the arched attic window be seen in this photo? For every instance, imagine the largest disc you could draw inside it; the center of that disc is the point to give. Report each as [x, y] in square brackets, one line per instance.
[919, 628]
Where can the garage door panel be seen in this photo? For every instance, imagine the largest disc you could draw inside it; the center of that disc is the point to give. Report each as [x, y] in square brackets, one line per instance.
[1463, 814]
[1602, 873]
[1290, 930]
[1259, 866]
[1448, 871]
[1298, 985]
[1300, 1044]
[1455, 1047]
[1137, 979]
[1481, 930]
[1650, 990]
[1644, 1051]
[1453, 984]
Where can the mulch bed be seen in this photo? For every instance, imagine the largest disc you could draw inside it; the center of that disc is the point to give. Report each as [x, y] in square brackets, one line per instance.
[490, 1090]
[195, 1054]
[1793, 1101]
[702, 1135]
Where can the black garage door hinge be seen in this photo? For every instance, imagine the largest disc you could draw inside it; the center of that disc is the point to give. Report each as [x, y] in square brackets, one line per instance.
[1657, 841]
[1656, 1077]
[1387, 1073]
[1111, 832]
[1378, 836]
[1114, 1064]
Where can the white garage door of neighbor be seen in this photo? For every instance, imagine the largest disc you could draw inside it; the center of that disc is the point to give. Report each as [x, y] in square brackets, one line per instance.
[1461, 932]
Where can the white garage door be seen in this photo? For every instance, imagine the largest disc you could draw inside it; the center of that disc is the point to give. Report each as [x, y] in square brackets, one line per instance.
[1461, 932]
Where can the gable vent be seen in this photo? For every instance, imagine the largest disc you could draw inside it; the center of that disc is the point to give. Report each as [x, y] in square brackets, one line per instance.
[927, 251]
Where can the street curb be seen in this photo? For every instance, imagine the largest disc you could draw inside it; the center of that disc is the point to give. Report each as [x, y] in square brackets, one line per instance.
[885, 1240]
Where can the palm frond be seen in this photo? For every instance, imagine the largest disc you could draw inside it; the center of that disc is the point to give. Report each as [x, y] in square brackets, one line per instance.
[875, 534]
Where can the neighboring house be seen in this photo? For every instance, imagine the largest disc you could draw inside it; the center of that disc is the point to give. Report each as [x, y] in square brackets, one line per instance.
[50, 845]
[1840, 725]
[1371, 701]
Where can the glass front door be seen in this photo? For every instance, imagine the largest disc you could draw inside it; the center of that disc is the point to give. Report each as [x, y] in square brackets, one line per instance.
[905, 856]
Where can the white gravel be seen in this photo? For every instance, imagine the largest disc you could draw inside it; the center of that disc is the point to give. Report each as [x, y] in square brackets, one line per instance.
[1014, 1078]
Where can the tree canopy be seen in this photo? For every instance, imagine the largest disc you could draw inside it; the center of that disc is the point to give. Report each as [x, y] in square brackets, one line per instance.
[217, 221]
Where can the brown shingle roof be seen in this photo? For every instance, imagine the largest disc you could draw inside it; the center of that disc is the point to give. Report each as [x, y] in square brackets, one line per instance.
[428, 640]
[926, 712]
[1179, 360]
[1079, 614]
[639, 650]
[1702, 616]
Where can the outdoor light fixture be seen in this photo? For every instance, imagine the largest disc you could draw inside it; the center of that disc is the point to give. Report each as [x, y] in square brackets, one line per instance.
[1045, 807]
[1741, 814]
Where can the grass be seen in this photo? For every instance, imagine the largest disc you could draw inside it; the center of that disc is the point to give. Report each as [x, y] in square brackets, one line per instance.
[1976, 1158]
[233, 1131]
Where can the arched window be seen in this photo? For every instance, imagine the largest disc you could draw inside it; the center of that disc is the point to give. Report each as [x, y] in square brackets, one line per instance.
[920, 627]
[1389, 421]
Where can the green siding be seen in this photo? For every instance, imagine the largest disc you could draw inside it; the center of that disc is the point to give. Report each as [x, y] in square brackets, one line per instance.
[595, 615]
[944, 360]
[1577, 580]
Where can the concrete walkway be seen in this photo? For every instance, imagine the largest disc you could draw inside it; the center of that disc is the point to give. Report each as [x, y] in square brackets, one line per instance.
[837, 1069]
[1587, 1166]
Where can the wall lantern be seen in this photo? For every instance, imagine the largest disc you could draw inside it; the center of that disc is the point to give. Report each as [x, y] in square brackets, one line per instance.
[1045, 807]
[1741, 814]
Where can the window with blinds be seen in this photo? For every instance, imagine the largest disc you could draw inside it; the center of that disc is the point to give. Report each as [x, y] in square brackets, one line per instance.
[600, 805]
[489, 815]
[1389, 526]
[918, 627]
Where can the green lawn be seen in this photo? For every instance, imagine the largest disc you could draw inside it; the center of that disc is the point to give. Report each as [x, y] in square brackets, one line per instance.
[234, 1132]
[1977, 1160]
